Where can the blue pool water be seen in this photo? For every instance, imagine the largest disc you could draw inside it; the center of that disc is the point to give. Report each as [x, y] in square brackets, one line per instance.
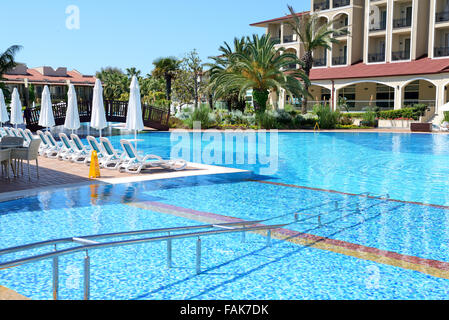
[408, 167]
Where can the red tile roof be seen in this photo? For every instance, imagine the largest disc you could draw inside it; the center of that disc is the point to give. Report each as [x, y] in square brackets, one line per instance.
[362, 70]
[262, 23]
[36, 77]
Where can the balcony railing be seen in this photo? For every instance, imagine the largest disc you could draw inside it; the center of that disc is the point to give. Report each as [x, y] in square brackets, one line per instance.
[288, 39]
[441, 52]
[400, 55]
[338, 61]
[324, 5]
[402, 23]
[276, 40]
[341, 3]
[442, 16]
[319, 62]
[377, 27]
[376, 57]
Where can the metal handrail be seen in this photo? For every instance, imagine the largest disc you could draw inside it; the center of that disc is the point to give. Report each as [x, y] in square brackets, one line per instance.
[95, 246]
[120, 234]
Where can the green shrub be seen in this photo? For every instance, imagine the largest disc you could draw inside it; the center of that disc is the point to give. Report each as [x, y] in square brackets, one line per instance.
[176, 123]
[346, 120]
[327, 118]
[266, 121]
[357, 115]
[201, 114]
[284, 119]
[369, 119]
[406, 113]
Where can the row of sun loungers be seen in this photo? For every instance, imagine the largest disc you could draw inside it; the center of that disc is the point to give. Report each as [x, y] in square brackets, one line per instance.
[26, 134]
[73, 149]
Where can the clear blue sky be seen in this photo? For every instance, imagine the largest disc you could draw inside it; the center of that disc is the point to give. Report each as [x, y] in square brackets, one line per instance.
[129, 33]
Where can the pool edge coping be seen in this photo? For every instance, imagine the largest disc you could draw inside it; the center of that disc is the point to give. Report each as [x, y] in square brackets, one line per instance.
[201, 170]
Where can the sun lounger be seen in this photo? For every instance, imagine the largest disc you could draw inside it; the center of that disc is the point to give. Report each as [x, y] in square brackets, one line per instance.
[45, 145]
[55, 148]
[82, 152]
[134, 163]
[95, 146]
[113, 158]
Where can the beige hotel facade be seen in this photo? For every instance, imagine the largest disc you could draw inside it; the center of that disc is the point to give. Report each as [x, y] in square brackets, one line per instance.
[396, 53]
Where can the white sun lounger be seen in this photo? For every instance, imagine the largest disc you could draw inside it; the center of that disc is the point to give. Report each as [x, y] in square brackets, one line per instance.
[133, 163]
[68, 152]
[45, 145]
[95, 146]
[55, 148]
[80, 153]
[113, 158]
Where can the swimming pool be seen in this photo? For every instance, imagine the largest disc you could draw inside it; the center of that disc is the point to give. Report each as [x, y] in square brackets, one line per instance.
[362, 248]
[410, 167]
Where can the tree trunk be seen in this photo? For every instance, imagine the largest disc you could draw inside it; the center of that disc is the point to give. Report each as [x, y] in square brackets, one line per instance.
[260, 97]
[211, 101]
[168, 79]
[196, 91]
[307, 59]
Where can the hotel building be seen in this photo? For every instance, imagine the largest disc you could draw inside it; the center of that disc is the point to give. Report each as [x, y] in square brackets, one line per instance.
[395, 55]
[21, 77]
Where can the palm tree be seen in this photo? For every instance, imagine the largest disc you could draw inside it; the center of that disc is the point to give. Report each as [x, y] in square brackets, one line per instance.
[313, 35]
[130, 72]
[166, 68]
[7, 61]
[115, 82]
[219, 65]
[258, 65]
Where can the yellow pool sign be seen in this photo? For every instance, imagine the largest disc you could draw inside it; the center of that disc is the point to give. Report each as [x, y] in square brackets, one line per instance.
[94, 170]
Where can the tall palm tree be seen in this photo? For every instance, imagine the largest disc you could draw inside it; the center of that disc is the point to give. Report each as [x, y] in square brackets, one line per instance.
[313, 35]
[166, 68]
[259, 66]
[7, 61]
[219, 65]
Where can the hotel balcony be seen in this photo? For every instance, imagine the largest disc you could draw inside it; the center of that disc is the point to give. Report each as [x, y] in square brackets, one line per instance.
[341, 23]
[442, 11]
[340, 53]
[441, 48]
[442, 16]
[402, 23]
[341, 3]
[441, 52]
[376, 49]
[376, 57]
[320, 62]
[339, 61]
[400, 55]
[276, 40]
[288, 39]
[402, 14]
[321, 5]
[378, 17]
[381, 25]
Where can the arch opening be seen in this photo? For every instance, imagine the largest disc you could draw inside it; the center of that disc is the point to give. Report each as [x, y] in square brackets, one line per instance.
[419, 92]
[364, 96]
